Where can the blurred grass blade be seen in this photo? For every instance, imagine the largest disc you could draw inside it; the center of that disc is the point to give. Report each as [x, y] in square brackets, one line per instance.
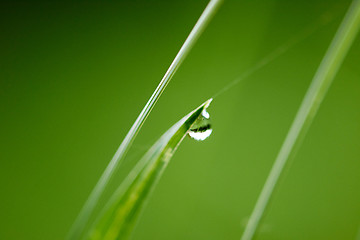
[119, 217]
[308, 109]
[88, 208]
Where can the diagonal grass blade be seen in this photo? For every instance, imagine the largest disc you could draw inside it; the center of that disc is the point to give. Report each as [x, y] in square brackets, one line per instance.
[119, 217]
[321, 82]
[88, 208]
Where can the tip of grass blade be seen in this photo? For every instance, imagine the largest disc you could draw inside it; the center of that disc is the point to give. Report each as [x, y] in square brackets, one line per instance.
[207, 103]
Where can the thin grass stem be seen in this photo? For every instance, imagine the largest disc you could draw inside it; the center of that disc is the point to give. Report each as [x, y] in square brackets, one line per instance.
[321, 82]
[89, 206]
[282, 49]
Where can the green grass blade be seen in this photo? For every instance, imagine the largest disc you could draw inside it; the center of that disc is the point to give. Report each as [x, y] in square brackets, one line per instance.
[88, 208]
[119, 217]
[308, 109]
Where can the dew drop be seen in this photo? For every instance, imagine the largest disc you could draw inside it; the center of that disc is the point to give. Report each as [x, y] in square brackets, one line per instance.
[205, 114]
[201, 129]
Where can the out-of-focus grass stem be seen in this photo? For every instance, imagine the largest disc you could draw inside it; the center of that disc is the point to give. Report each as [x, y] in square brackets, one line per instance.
[321, 82]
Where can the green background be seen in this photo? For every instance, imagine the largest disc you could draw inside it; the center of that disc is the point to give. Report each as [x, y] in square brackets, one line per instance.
[74, 77]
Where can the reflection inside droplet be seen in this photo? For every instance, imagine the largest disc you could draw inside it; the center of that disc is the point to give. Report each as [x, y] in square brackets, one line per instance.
[199, 136]
[201, 129]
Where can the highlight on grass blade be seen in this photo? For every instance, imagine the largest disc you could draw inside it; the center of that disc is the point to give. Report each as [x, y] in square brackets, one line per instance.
[119, 216]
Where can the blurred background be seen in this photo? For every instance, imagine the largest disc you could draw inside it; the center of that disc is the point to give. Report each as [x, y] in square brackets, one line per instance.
[74, 77]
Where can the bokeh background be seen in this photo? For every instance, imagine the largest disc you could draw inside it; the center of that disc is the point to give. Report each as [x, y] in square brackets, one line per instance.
[75, 75]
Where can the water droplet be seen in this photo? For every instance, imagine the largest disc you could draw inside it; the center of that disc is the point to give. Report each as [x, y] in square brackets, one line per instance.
[201, 129]
[205, 114]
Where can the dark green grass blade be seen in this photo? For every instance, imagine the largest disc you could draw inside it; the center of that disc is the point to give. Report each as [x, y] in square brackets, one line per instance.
[119, 217]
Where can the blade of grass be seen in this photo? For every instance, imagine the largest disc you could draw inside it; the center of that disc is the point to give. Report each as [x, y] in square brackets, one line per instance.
[119, 217]
[308, 109]
[88, 208]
